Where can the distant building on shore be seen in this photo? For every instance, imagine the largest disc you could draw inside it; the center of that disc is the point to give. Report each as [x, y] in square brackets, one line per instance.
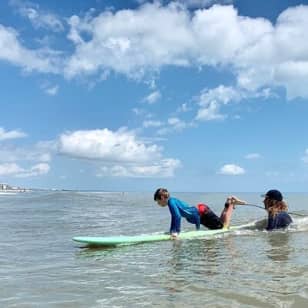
[4, 186]
[7, 187]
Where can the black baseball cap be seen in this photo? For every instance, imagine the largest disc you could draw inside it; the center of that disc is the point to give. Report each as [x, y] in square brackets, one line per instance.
[274, 194]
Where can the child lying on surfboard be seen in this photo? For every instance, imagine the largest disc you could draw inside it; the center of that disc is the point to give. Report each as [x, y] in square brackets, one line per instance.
[201, 214]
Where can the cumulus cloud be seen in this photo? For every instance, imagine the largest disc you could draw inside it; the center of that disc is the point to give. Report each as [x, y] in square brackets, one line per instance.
[13, 134]
[139, 43]
[134, 42]
[231, 169]
[104, 144]
[120, 152]
[14, 170]
[202, 3]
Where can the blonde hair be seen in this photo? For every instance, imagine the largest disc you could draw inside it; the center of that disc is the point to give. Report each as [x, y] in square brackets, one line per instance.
[161, 192]
[274, 207]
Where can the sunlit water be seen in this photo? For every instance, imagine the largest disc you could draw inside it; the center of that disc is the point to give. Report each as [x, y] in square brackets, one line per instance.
[40, 265]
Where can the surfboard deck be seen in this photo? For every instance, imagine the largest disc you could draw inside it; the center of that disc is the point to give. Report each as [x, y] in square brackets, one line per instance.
[145, 238]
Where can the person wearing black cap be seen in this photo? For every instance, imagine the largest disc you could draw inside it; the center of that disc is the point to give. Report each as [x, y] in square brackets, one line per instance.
[278, 217]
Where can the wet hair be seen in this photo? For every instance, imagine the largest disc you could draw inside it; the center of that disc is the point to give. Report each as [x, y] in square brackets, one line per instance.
[161, 192]
[274, 207]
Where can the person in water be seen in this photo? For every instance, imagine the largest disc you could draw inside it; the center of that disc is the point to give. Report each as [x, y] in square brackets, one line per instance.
[201, 214]
[277, 209]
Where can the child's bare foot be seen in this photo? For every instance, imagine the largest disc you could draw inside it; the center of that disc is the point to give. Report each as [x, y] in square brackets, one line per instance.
[237, 201]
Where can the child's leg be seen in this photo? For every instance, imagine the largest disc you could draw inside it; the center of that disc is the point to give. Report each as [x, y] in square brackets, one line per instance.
[226, 213]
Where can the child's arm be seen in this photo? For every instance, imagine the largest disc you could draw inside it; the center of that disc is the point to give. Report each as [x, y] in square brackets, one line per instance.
[175, 227]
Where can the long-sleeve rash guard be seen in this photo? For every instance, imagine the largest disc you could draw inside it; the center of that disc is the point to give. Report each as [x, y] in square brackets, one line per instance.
[280, 220]
[179, 209]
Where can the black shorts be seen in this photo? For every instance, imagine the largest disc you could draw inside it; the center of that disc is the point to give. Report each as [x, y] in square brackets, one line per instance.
[211, 220]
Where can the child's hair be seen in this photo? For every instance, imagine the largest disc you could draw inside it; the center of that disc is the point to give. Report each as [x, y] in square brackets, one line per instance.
[274, 207]
[161, 192]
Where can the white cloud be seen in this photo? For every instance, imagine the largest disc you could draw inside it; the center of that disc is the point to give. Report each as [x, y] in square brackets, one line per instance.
[37, 17]
[163, 168]
[139, 43]
[118, 146]
[11, 50]
[176, 123]
[12, 169]
[151, 123]
[152, 97]
[40, 152]
[305, 157]
[173, 125]
[121, 153]
[280, 57]
[231, 169]
[211, 100]
[36, 170]
[292, 74]
[138, 111]
[13, 134]
[11, 157]
[183, 108]
[135, 42]
[49, 89]
[253, 156]
[8, 169]
[52, 91]
[43, 20]
[132, 42]
[202, 3]
[191, 3]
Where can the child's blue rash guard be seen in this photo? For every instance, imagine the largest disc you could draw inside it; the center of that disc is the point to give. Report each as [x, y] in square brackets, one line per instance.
[180, 209]
[280, 220]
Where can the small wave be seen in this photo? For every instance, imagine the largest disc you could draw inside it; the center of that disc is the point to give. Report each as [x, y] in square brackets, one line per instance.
[299, 224]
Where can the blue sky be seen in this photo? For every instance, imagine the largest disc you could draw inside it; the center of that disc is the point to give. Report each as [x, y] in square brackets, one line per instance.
[135, 95]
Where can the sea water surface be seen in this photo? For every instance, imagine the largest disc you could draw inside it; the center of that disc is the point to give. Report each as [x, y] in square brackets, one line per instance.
[40, 265]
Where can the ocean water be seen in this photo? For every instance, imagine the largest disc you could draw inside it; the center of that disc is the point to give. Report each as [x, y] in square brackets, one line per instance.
[40, 265]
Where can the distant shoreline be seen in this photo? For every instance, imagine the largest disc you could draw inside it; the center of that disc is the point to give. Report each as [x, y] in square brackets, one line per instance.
[13, 191]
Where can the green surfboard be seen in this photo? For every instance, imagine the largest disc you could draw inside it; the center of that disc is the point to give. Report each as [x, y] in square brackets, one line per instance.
[135, 239]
